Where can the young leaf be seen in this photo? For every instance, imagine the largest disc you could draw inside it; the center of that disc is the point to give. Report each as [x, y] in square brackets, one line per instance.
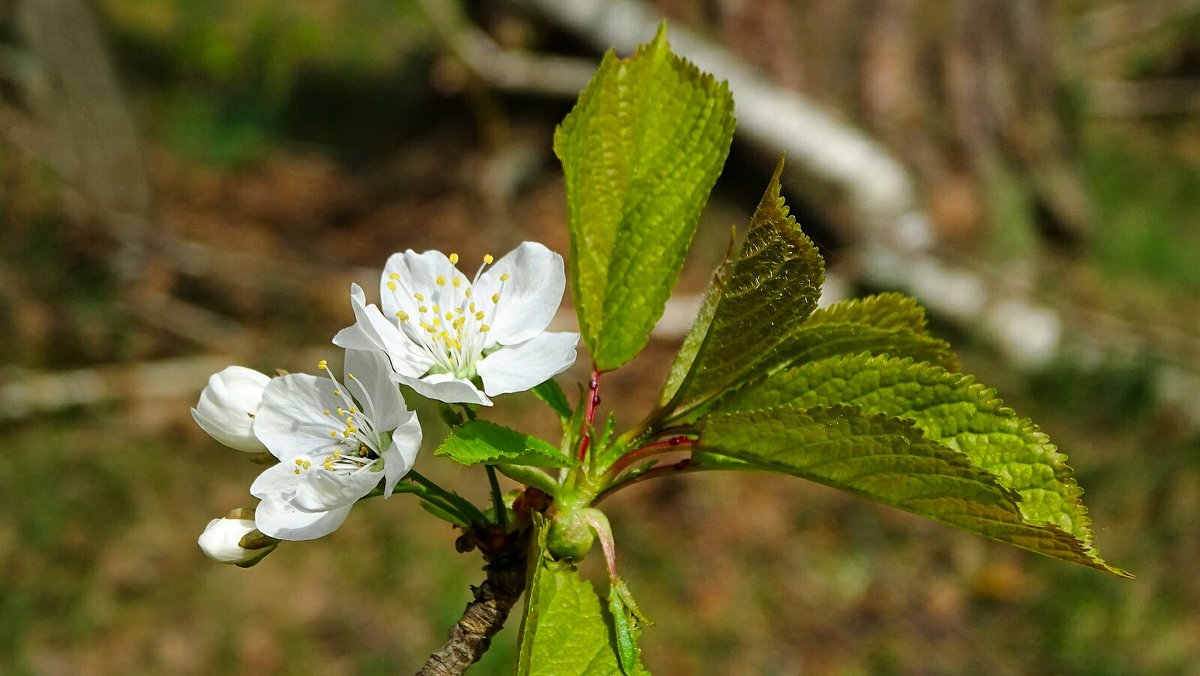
[624, 628]
[771, 287]
[551, 393]
[696, 335]
[888, 323]
[640, 153]
[891, 461]
[564, 631]
[956, 413]
[481, 441]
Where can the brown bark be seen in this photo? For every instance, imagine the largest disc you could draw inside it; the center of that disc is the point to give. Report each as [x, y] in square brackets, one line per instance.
[471, 636]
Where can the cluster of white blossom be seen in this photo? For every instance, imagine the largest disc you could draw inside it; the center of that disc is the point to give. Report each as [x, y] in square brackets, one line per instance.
[448, 337]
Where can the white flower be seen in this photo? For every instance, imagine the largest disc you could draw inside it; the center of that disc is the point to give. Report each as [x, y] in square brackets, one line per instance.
[334, 444]
[227, 407]
[235, 539]
[442, 330]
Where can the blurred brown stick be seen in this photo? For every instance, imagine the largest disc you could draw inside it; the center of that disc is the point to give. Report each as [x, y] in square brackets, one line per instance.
[30, 394]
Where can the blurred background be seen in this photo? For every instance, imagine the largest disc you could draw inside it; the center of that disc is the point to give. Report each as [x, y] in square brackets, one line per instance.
[185, 185]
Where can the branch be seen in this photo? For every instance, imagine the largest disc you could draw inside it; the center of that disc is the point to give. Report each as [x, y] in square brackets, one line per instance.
[471, 636]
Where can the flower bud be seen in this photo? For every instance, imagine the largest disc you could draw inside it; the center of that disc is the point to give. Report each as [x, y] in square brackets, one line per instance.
[227, 407]
[571, 536]
[235, 539]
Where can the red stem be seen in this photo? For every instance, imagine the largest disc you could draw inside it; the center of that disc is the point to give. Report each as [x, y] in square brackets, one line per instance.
[684, 466]
[673, 444]
[589, 417]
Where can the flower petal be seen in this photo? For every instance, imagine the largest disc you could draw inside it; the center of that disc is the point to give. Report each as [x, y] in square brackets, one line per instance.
[372, 386]
[281, 520]
[320, 491]
[373, 330]
[520, 367]
[288, 500]
[446, 388]
[417, 273]
[399, 458]
[291, 420]
[530, 296]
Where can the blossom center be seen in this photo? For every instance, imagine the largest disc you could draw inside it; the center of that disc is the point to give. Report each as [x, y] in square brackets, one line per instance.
[451, 324]
[355, 444]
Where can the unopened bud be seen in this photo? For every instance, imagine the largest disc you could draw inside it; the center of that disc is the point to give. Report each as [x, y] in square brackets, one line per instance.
[235, 539]
[571, 536]
[227, 406]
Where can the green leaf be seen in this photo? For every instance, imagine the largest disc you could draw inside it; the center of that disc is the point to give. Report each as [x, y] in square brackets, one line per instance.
[626, 617]
[890, 461]
[551, 393]
[640, 153]
[770, 288]
[696, 335]
[888, 323]
[481, 441]
[962, 416]
[608, 451]
[565, 631]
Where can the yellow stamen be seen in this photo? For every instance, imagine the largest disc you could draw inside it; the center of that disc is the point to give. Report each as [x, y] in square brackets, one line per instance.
[322, 365]
[456, 282]
[495, 298]
[333, 433]
[391, 286]
[454, 258]
[488, 258]
[441, 280]
[349, 376]
[402, 315]
[419, 297]
[504, 277]
[393, 276]
[484, 328]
